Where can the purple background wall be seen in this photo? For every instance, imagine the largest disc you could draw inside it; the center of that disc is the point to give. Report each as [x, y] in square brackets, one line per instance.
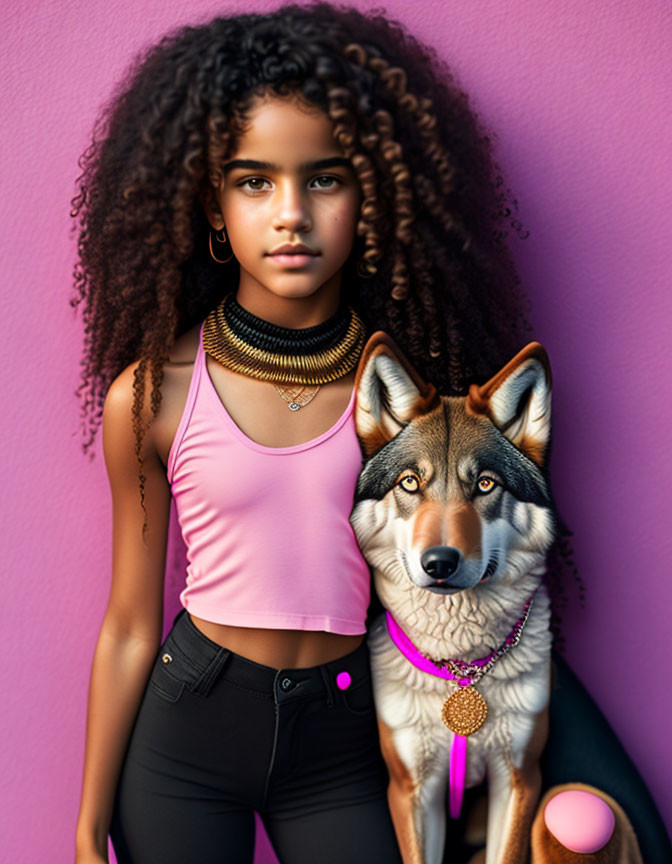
[578, 96]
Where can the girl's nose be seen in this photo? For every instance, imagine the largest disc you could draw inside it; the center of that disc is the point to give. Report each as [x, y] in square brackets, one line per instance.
[291, 211]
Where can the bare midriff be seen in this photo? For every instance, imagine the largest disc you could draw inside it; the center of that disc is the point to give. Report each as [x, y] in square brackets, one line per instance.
[280, 649]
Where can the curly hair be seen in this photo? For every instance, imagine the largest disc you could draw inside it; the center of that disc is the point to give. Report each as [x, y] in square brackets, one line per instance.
[429, 264]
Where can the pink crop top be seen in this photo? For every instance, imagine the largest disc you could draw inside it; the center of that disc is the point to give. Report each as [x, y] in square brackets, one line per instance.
[268, 539]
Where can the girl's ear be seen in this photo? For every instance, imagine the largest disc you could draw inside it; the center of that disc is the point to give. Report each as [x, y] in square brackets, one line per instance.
[208, 199]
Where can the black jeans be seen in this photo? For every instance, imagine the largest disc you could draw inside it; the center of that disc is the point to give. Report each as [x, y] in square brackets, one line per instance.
[218, 736]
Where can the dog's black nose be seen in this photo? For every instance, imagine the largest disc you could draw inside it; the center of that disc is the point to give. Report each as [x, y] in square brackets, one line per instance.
[439, 562]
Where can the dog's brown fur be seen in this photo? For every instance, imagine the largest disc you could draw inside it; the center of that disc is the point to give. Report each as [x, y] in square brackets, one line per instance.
[400, 797]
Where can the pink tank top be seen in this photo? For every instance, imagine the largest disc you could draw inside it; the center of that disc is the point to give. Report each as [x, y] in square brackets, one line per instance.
[268, 539]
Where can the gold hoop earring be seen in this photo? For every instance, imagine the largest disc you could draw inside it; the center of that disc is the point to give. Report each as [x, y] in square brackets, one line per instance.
[225, 240]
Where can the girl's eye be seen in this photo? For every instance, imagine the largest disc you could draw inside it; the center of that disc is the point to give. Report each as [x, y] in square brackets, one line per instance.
[485, 485]
[255, 184]
[253, 180]
[330, 179]
[409, 482]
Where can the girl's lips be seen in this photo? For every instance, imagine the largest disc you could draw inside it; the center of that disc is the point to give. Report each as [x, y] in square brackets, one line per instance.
[286, 259]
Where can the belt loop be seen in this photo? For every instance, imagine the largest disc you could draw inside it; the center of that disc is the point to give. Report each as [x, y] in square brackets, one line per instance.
[327, 686]
[203, 685]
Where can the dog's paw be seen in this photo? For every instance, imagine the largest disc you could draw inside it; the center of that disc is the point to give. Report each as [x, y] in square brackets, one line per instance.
[574, 821]
[580, 820]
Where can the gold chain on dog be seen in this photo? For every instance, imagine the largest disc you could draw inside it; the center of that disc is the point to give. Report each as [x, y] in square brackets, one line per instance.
[465, 710]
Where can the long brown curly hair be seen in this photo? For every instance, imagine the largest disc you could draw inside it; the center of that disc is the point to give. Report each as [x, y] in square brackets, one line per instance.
[429, 264]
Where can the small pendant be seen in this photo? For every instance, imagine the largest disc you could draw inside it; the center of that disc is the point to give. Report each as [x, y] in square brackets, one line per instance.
[297, 397]
[464, 711]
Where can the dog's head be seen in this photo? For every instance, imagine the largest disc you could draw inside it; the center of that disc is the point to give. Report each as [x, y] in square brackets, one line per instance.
[453, 492]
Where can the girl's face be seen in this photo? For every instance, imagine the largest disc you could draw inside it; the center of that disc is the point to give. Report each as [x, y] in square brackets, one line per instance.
[288, 183]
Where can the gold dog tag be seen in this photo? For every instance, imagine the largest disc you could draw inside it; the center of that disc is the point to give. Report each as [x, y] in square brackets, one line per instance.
[464, 711]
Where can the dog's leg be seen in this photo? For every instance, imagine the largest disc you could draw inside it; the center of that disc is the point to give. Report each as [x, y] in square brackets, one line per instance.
[400, 795]
[430, 809]
[417, 808]
[513, 793]
[513, 796]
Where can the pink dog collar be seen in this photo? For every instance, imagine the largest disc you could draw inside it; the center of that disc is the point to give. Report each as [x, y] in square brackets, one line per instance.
[470, 672]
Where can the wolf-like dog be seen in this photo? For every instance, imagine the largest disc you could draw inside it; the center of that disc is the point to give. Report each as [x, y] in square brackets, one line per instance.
[454, 514]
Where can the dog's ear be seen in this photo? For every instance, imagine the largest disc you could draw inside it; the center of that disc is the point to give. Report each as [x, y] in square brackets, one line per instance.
[518, 401]
[389, 393]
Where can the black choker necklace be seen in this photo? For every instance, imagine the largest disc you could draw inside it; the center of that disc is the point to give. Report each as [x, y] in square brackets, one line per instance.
[315, 355]
[284, 340]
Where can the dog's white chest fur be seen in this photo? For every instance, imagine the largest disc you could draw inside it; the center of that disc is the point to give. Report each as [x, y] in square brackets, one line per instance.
[409, 702]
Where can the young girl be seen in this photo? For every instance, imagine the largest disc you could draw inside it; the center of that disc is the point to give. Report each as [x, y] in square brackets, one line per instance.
[261, 194]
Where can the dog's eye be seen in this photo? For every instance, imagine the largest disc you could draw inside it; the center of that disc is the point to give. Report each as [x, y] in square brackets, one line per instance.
[485, 485]
[409, 482]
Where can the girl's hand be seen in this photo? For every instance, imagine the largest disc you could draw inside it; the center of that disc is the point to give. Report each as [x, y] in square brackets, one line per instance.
[91, 857]
[90, 847]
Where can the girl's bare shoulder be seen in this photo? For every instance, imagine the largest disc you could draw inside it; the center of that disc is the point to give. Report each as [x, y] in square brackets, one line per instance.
[180, 360]
[174, 388]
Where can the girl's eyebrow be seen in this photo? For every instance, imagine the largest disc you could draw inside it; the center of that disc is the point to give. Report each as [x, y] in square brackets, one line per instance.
[331, 162]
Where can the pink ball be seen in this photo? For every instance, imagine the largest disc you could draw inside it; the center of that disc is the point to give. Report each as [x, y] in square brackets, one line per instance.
[343, 680]
[581, 821]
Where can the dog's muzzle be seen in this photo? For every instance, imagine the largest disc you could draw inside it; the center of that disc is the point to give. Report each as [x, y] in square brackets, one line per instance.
[442, 565]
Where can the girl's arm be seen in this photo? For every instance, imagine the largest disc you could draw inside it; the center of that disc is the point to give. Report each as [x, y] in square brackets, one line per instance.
[130, 634]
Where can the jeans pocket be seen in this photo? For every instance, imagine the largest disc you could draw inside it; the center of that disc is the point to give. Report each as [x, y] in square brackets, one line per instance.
[164, 684]
[176, 668]
[358, 698]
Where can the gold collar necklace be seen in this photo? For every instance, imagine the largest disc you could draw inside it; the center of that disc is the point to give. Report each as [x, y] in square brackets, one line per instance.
[296, 361]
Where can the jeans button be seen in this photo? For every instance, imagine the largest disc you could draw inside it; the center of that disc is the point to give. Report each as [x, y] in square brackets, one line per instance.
[286, 684]
[343, 680]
